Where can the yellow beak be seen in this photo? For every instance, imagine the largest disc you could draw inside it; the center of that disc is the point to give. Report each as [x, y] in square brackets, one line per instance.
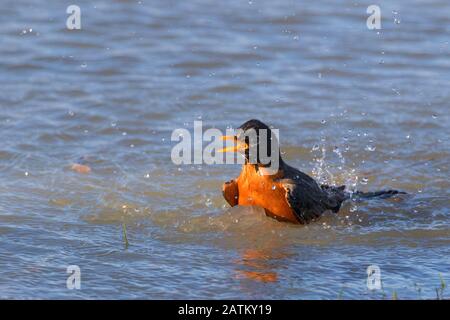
[239, 146]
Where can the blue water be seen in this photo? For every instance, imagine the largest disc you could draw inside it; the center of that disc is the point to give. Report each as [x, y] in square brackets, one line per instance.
[354, 106]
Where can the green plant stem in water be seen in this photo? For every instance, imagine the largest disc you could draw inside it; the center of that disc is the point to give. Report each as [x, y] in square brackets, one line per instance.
[125, 238]
[394, 295]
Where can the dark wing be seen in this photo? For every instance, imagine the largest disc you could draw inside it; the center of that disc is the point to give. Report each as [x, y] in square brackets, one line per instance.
[307, 199]
[336, 195]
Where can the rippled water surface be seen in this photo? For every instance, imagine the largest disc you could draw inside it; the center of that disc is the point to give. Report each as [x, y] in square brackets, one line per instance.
[362, 107]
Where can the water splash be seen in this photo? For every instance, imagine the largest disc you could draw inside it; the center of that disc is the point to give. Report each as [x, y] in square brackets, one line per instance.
[331, 172]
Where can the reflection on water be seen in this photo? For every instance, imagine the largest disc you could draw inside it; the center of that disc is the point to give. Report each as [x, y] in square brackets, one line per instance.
[258, 264]
[357, 107]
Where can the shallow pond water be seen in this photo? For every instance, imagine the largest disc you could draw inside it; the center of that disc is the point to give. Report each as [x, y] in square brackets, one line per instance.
[354, 106]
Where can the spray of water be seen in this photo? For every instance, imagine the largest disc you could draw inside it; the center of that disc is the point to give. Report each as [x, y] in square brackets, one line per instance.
[334, 171]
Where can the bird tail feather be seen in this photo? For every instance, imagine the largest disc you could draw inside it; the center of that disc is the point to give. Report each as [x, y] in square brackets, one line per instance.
[338, 195]
[382, 194]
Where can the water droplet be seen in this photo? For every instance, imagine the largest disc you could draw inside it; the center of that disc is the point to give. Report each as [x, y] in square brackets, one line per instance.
[147, 175]
[434, 116]
[208, 202]
[364, 180]
[315, 147]
[370, 148]
[353, 208]
[274, 187]
[323, 121]
[26, 173]
[83, 65]
[396, 17]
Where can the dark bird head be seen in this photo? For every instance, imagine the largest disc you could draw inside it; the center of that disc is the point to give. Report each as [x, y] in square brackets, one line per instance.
[258, 143]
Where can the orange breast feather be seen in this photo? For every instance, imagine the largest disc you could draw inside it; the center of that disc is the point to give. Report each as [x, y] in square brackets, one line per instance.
[266, 192]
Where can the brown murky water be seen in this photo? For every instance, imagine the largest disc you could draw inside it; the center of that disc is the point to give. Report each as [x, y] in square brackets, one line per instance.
[355, 106]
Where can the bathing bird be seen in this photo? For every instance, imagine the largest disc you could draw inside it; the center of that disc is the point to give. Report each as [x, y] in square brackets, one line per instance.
[285, 193]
